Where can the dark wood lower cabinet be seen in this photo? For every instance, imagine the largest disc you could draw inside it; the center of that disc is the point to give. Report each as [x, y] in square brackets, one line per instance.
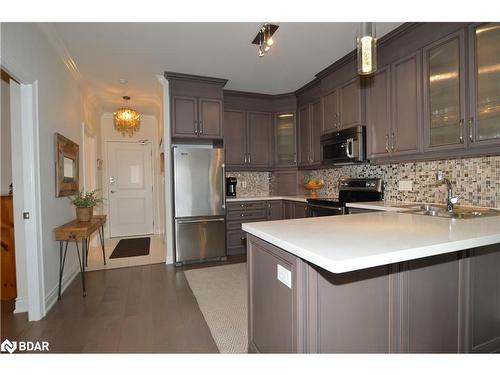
[442, 304]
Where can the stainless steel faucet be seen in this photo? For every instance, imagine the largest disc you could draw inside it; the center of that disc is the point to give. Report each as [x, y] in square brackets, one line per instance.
[450, 200]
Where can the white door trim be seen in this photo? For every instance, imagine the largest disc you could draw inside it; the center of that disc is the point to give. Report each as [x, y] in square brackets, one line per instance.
[25, 137]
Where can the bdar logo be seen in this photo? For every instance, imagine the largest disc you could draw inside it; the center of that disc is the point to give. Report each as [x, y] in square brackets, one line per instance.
[8, 346]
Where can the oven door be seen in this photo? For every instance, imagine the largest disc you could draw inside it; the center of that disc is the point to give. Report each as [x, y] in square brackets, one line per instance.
[315, 210]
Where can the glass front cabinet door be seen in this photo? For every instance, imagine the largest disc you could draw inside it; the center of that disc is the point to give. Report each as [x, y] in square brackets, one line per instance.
[484, 120]
[286, 154]
[444, 93]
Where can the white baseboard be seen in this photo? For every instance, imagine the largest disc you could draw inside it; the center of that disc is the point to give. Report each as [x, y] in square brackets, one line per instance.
[51, 298]
[21, 305]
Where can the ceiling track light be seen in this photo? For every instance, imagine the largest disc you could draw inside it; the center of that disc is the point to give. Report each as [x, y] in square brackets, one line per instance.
[264, 38]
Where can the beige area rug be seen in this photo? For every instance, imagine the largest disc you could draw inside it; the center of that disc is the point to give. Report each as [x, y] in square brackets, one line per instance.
[221, 293]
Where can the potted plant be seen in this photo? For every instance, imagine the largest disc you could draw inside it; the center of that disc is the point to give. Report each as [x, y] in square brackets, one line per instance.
[85, 203]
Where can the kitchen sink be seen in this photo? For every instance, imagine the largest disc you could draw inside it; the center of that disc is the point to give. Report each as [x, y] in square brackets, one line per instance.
[458, 212]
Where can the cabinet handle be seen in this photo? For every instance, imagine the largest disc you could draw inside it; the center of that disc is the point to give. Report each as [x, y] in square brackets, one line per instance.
[340, 120]
[243, 238]
[393, 141]
[335, 121]
[295, 157]
[242, 215]
[387, 143]
[200, 127]
[461, 125]
[245, 159]
[471, 136]
[249, 159]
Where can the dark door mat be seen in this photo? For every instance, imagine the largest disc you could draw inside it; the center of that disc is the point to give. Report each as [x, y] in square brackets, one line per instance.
[131, 247]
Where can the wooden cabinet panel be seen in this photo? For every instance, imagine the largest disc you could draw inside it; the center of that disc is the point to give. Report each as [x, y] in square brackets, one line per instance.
[274, 210]
[236, 242]
[304, 126]
[275, 318]
[235, 138]
[406, 134]
[287, 210]
[330, 111]
[351, 313]
[350, 104]
[260, 139]
[299, 210]
[210, 118]
[484, 301]
[431, 291]
[315, 132]
[184, 117]
[379, 113]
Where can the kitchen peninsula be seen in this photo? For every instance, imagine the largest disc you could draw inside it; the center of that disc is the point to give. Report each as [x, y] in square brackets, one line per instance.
[404, 284]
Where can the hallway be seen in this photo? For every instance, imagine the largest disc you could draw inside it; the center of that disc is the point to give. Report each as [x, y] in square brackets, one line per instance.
[146, 309]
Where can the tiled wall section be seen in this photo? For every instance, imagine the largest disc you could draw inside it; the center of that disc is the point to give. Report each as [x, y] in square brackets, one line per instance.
[257, 183]
[477, 179]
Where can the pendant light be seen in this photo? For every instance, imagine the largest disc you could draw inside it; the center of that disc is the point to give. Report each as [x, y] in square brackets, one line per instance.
[127, 121]
[366, 42]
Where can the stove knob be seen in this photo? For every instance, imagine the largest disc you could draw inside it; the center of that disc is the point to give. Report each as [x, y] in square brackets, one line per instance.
[367, 184]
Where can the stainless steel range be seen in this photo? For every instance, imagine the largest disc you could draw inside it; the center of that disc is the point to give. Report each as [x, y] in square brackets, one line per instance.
[350, 190]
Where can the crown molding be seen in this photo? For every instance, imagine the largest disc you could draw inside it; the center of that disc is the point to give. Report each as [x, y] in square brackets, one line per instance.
[192, 77]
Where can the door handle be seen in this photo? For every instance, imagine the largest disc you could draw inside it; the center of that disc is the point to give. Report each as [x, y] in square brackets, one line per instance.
[349, 148]
[189, 221]
[471, 136]
[461, 125]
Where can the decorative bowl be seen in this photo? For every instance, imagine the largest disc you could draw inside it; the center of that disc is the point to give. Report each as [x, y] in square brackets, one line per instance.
[313, 186]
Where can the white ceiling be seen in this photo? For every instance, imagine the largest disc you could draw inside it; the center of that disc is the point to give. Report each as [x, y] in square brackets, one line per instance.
[104, 53]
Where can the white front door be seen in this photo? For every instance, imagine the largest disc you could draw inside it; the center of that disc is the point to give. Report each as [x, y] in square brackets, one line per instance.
[130, 188]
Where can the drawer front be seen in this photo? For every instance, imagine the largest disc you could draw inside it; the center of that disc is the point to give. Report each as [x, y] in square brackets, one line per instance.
[243, 206]
[235, 219]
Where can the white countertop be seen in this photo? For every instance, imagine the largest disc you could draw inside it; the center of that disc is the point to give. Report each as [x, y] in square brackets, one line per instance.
[380, 205]
[296, 198]
[353, 242]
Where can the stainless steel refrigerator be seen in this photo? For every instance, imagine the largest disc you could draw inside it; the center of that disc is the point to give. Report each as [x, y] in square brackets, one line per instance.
[199, 203]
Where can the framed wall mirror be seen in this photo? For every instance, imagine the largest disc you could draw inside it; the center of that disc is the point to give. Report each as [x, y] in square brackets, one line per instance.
[67, 166]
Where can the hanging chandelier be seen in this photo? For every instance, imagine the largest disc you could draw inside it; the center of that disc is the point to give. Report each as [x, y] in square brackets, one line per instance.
[127, 121]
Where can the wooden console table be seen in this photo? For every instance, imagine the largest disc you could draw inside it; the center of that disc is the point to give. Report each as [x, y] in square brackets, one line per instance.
[79, 231]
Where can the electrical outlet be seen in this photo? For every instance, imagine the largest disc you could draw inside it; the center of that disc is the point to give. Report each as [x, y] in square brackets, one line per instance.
[405, 185]
[284, 275]
[244, 184]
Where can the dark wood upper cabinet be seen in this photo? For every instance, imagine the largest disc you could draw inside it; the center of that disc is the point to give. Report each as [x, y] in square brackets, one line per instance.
[378, 106]
[260, 138]
[484, 85]
[444, 93]
[304, 136]
[405, 137]
[235, 138]
[196, 106]
[184, 116]
[350, 104]
[210, 118]
[315, 109]
[330, 111]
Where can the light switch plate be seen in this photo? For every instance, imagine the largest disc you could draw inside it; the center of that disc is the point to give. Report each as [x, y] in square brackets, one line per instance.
[284, 275]
[244, 184]
[405, 185]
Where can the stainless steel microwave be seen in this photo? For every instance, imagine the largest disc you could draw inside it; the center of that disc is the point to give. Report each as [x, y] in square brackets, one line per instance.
[344, 146]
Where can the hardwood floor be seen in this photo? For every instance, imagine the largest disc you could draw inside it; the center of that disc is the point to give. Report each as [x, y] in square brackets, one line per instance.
[146, 309]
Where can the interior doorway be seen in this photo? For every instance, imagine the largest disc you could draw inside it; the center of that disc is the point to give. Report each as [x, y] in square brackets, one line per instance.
[21, 216]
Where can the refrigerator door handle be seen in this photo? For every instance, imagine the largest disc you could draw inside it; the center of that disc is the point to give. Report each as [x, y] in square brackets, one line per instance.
[223, 167]
[189, 221]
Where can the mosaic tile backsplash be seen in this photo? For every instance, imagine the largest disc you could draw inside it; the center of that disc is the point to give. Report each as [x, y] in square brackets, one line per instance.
[477, 179]
[257, 183]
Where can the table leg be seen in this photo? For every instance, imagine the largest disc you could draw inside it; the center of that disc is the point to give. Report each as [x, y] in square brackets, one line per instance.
[62, 261]
[101, 236]
[81, 262]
